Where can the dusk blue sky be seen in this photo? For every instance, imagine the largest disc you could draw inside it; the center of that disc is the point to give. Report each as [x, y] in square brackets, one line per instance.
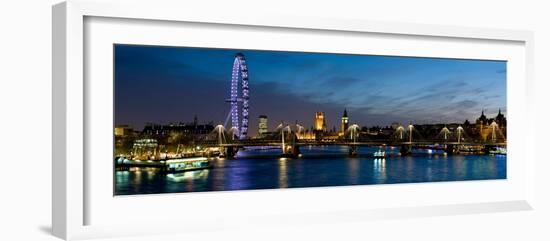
[173, 84]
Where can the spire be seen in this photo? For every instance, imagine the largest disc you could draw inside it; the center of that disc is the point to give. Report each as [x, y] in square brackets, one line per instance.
[500, 116]
[345, 113]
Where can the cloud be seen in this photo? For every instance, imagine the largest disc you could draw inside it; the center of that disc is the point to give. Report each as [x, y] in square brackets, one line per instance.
[177, 82]
[488, 97]
[450, 83]
[466, 104]
[343, 81]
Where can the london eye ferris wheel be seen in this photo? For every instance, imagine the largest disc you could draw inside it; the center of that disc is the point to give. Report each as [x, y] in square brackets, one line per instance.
[239, 97]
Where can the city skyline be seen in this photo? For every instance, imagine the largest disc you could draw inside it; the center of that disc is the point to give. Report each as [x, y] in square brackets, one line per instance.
[174, 84]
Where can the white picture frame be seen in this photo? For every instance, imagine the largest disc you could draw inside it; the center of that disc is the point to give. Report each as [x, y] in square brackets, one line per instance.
[71, 190]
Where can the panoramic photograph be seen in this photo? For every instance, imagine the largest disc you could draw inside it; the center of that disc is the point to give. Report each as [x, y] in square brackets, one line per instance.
[190, 119]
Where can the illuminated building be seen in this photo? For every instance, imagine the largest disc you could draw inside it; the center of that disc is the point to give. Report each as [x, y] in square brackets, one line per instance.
[482, 120]
[145, 148]
[124, 139]
[187, 129]
[320, 122]
[307, 135]
[123, 130]
[345, 122]
[500, 119]
[493, 128]
[262, 125]
[481, 125]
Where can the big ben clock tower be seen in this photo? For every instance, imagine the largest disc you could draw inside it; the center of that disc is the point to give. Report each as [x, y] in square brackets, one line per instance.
[345, 122]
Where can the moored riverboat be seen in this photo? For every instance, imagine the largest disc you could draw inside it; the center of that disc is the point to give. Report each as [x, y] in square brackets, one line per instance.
[166, 165]
[187, 164]
[379, 154]
[498, 151]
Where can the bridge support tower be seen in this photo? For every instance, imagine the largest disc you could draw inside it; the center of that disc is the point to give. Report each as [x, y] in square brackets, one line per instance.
[229, 152]
[296, 151]
[450, 149]
[352, 151]
[405, 150]
[292, 150]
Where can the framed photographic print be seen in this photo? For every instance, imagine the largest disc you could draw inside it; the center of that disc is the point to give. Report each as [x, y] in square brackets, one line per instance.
[206, 119]
[280, 118]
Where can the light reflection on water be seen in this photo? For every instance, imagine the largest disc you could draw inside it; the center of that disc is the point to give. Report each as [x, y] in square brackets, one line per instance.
[283, 182]
[380, 169]
[319, 166]
[353, 173]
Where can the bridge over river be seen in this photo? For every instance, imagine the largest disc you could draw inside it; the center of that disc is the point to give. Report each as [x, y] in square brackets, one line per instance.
[290, 140]
[292, 146]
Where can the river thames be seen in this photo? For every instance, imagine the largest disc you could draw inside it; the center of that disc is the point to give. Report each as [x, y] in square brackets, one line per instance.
[318, 167]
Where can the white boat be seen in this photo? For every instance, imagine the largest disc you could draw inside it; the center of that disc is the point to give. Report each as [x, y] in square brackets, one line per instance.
[380, 153]
[498, 151]
[187, 164]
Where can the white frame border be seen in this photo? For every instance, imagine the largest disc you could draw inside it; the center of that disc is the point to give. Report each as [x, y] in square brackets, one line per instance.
[68, 93]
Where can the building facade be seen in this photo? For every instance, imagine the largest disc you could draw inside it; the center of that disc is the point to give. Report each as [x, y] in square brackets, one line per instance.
[320, 124]
[491, 129]
[262, 125]
[123, 130]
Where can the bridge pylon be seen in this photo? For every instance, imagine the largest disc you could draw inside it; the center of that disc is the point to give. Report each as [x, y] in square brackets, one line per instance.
[231, 152]
[352, 151]
[405, 149]
[450, 149]
[292, 149]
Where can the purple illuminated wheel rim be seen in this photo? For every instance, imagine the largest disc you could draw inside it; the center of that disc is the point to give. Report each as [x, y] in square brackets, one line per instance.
[239, 74]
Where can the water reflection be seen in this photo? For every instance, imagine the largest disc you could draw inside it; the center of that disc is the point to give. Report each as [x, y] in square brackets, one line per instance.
[237, 174]
[137, 176]
[217, 176]
[409, 174]
[283, 175]
[188, 176]
[319, 166]
[459, 167]
[380, 169]
[353, 170]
